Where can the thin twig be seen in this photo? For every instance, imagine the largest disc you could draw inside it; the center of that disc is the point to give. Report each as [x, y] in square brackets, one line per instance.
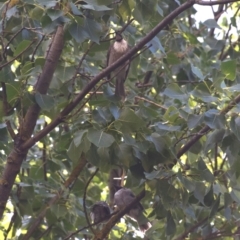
[215, 157]
[44, 158]
[226, 36]
[86, 89]
[35, 50]
[149, 101]
[45, 232]
[211, 3]
[10, 224]
[84, 200]
[13, 59]
[127, 24]
[81, 60]
[11, 39]
[191, 229]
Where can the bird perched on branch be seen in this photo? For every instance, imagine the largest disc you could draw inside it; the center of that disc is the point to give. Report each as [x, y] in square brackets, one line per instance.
[117, 50]
[125, 196]
[100, 212]
[115, 181]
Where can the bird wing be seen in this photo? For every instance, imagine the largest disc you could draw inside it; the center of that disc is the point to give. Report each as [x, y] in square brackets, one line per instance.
[128, 66]
[108, 56]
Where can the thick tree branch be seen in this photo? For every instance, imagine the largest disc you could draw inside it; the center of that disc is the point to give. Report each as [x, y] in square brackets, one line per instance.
[211, 3]
[15, 158]
[106, 72]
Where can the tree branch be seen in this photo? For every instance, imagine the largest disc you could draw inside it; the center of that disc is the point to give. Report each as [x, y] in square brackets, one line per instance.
[15, 158]
[29, 143]
[191, 229]
[113, 220]
[75, 173]
[16, 57]
[211, 3]
[84, 200]
[206, 128]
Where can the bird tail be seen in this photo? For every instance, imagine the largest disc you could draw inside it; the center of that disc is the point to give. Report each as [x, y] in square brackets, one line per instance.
[143, 223]
[119, 90]
[144, 227]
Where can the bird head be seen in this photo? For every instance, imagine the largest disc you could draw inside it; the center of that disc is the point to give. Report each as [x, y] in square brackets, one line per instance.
[118, 37]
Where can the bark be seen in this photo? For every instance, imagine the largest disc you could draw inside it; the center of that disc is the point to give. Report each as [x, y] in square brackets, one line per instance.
[16, 157]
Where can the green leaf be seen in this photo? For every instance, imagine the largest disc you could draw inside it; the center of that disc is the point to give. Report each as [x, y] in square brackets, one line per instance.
[152, 175]
[229, 69]
[21, 47]
[125, 154]
[93, 29]
[155, 45]
[75, 10]
[234, 88]
[199, 191]
[209, 197]
[215, 137]
[215, 207]
[175, 92]
[159, 142]
[54, 14]
[105, 160]
[124, 10]
[172, 58]
[13, 91]
[147, 112]
[188, 184]
[59, 210]
[78, 136]
[36, 13]
[99, 138]
[235, 194]
[170, 226]
[93, 5]
[47, 3]
[235, 126]
[78, 33]
[214, 120]
[74, 152]
[202, 91]
[44, 101]
[211, 23]
[130, 121]
[6, 74]
[194, 120]
[167, 128]
[197, 72]
[205, 172]
[161, 212]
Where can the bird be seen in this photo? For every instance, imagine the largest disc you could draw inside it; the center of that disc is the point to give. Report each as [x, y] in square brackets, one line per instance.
[125, 196]
[100, 212]
[115, 181]
[116, 51]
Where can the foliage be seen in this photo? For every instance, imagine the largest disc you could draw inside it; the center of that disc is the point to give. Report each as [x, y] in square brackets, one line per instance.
[177, 135]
